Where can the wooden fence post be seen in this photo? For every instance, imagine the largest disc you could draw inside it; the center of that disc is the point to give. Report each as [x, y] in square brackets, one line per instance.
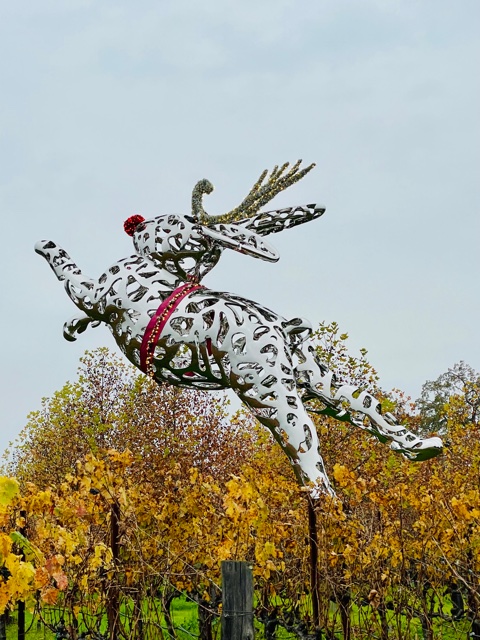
[237, 601]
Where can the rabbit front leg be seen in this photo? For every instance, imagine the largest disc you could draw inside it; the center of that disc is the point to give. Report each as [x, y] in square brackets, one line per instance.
[80, 289]
[76, 325]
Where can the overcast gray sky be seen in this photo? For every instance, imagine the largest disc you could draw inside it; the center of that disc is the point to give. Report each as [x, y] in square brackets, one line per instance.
[109, 108]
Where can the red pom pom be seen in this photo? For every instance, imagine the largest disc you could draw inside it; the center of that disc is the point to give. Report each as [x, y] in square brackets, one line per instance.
[132, 223]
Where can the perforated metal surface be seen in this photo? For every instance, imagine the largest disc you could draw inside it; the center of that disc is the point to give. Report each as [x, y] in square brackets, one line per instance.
[217, 340]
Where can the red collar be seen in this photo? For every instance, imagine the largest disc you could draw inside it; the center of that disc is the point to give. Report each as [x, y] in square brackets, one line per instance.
[158, 321]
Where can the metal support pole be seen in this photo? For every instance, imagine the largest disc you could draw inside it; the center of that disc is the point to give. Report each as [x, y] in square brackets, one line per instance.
[113, 604]
[313, 539]
[21, 603]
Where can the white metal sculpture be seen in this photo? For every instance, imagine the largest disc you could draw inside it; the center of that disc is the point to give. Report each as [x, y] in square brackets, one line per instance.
[180, 332]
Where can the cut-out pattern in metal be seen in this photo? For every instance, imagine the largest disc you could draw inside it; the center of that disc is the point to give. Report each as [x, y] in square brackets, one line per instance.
[180, 332]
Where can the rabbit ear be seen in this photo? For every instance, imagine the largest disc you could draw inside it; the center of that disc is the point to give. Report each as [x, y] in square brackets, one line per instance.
[238, 238]
[267, 222]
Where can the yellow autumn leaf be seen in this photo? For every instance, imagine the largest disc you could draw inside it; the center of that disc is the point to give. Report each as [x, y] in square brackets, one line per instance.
[5, 545]
[9, 488]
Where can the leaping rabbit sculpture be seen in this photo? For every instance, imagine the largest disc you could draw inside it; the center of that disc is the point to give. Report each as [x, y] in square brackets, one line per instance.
[178, 331]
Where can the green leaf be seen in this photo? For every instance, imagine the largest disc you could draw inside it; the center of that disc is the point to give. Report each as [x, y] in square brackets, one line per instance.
[30, 550]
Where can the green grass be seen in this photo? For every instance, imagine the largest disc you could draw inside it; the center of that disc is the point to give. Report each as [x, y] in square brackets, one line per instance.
[184, 613]
[33, 633]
